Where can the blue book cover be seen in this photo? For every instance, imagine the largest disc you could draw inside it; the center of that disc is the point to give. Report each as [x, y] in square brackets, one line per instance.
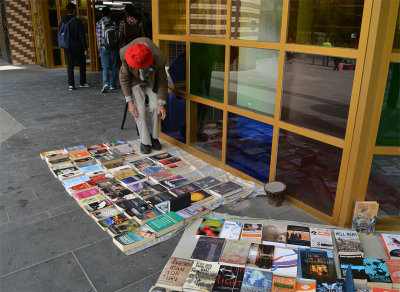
[152, 169]
[376, 270]
[91, 168]
[349, 281]
[330, 285]
[256, 281]
[75, 181]
[316, 263]
[130, 237]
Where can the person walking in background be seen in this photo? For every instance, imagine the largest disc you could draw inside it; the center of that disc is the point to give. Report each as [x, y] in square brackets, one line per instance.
[325, 59]
[107, 42]
[147, 26]
[131, 27]
[77, 46]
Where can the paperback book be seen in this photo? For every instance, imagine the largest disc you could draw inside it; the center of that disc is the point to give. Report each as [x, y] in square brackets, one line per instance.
[330, 285]
[377, 273]
[161, 175]
[229, 278]
[129, 240]
[201, 276]
[252, 232]
[208, 249]
[364, 217]
[177, 166]
[348, 242]
[231, 230]
[193, 212]
[75, 149]
[97, 206]
[298, 236]
[274, 235]
[285, 262]
[165, 223]
[151, 169]
[187, 188]
[142, 163]
[174, 182]
[316, 263]
[174, 274]
[260, 256]
[112, 144]
[321, 238]
[160, 156]
[391, 243]
[106, 213]
[235, 253]
[125, 226]
[306, 285]
[171, 160]
[355, 262]
[283, 284]
[210, 227]
[69, 183]
[90, 200]
[179, 203]
[207, 182]
[394, 272]
[255, 280]
[116, 219]
[225, 189]
[86, 193]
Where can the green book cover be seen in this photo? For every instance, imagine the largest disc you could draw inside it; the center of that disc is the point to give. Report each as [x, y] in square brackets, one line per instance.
[164, 221]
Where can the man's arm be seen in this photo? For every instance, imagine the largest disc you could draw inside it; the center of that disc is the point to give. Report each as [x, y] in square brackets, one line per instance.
[82, 36]
[125, 79]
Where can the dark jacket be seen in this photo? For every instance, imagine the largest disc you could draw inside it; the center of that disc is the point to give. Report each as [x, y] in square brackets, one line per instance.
[129, 77]
[78, 38]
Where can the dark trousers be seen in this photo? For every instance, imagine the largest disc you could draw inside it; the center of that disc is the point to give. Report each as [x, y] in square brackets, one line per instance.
[76, 59]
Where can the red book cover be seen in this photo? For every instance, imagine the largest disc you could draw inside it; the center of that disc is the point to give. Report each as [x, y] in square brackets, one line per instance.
[394, 271]
[86, 194]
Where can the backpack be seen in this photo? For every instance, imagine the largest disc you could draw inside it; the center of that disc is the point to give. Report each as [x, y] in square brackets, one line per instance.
[132, 31]
[110, 36]
[64, 34]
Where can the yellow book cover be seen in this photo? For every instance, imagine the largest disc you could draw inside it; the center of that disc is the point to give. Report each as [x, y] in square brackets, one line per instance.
[364, 217]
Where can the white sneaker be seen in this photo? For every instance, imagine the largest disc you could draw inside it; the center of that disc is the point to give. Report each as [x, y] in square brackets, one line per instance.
[85, 85]
[105, 89]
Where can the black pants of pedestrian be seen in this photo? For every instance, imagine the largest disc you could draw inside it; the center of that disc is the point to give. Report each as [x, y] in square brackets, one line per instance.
[76, 59]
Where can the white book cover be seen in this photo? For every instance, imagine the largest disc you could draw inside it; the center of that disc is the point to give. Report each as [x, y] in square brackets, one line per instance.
[347, 241]
[391, 243]
[231, 230]
[285, 262]
[321, 238]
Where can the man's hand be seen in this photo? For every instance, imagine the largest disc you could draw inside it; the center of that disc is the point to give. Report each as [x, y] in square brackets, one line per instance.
[161, 111]
[133, 109]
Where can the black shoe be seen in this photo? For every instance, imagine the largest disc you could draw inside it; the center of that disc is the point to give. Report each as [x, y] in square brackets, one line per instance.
[71, 87]
[155, 144]
[145, 149]
[85, 85]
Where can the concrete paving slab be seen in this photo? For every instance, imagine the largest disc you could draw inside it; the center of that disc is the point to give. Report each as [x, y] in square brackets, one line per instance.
[22, 223]
[13, 198]
[8, 125]
[142, 285]
[3, 216]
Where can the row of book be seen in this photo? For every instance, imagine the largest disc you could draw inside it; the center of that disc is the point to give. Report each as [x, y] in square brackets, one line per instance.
[260, 261]
[133, 198]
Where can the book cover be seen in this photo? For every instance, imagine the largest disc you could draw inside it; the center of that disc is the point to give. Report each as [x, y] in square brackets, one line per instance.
[283, 284]
[164, 223]
[225, 189]
[355, 262]
[132, 179]
[61, 171]
[298, 236]
[125, 226]
[68, 183]
[193, 212]
[159, 198]
[79, 155]
[235, 253]
[174, 274]
[91, 168]
[80, 187]
[112, 144]
[142, 163]
[207, 182]
[394, 272]
[99, 152]
[199, 197]
[128, 240]
[101, 177]
[70, 175]
[90, 162]
[96, 147]
[306, 285]
[231, 230]
[163, 207]
[229, 278]
[391, 243]
[78, 162]
[260, 256]
[116, 219]
[321, 238]
[167, 161]
[109, 158]
[160, 156]
[256, 281]
[174, 182]
[86, 193]
[364, 217]
[151, 169]
[210, 227]
[53, 152]
[316, 263]
[106, 213]
[59, 161]
[99, 205]
[274, 235]
[330, 285]
[75, 149]
[124, 173]
[187, 188]
[377, 273]
[90, 200]
[179, 203]
[252, 232]
[139, 209]
[201, 276]
[377, 289]
[285, 262]
[161, 175]
[347, 242]
[177, 166]
[208, 249]
[111, 167]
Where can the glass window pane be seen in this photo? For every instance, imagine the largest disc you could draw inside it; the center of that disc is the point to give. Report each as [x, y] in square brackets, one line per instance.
[53, 21]
[384, 184]
[389, 125]
[207, 65]
[317, 92]
[54, 37]
[174, 125]
[57, 57]
[333, 23]
[310, 170]
[176, 63]
[206, 129]
[52, 4]
[256, 20]
[208, 18]
[252, 79]
[172, 15]
[63, 3]
[248, 146]
[396, 41]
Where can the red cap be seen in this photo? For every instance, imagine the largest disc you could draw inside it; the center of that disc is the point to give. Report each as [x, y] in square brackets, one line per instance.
[138, 56]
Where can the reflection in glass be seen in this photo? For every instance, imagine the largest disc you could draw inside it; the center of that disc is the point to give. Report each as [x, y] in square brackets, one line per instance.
[207, 65]
[334, 22]
[63, 13]
[57, 57]
[248, 146]
[52, 4]
[389, 125]
[256, 20]
[63, 3]
[174, 125]
[310, 170]
[206, 128]
[384, 184]
[53, 21]
[172, 16]
[176, 63]
[396, 41]
[252, 79]
[208, 18]
[54, 37]
[317, 96]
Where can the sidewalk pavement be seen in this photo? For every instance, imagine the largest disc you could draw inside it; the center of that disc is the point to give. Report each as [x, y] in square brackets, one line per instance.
[47, 242]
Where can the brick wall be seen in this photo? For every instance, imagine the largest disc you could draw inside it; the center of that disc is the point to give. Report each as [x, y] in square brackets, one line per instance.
[20, 32]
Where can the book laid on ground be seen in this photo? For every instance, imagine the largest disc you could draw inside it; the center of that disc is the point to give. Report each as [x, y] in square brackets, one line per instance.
[116, 143]
[131, 239]
[125, 151]
[177, 166]
[96, 147]
[80, 187]
[207, 182]
[160, 156]
[132, 179]
[377, 289]
[225, 189]
[139, 210]
[231, 230]
[364, 217]
[159, 198]
[53, 152]
[61, 171]
[79, 155]
[59, 161]
[235, 253]
[97, 206]
[201, 276]
[86, 193]
[200, 197]
[87, 163]
[391, 243]
[298, 236]
[165, 223]
[100, 177]
[347, 242]
[106, 213]
[208, 249]
[116, 219]
[355, 262]
[124, 173]
[68, 183]
[260, 257]
[78, 162]
[193, 212]
[377, 273]
[55, 156]
[321, 238]
[171, 160]
[69, 175]
[255, 280]
[330, 285]
[90, 200]
[109, 158]
[91, 168]
[252, 232]
[142, 163]
[174, 274]
[178, 203]
[125, 226]
[75, 149]
[174, 182]
[229, 278]
[306, 285]
[283, 284]
[99, 152]
[274, 235]
[161, 175]
[187, 188]
[394, 272]
[210, 227]
[285, 262]
[316, 263]
[151, 169]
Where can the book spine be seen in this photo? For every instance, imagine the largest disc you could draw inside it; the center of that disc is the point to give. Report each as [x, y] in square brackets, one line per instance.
[385, 246]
